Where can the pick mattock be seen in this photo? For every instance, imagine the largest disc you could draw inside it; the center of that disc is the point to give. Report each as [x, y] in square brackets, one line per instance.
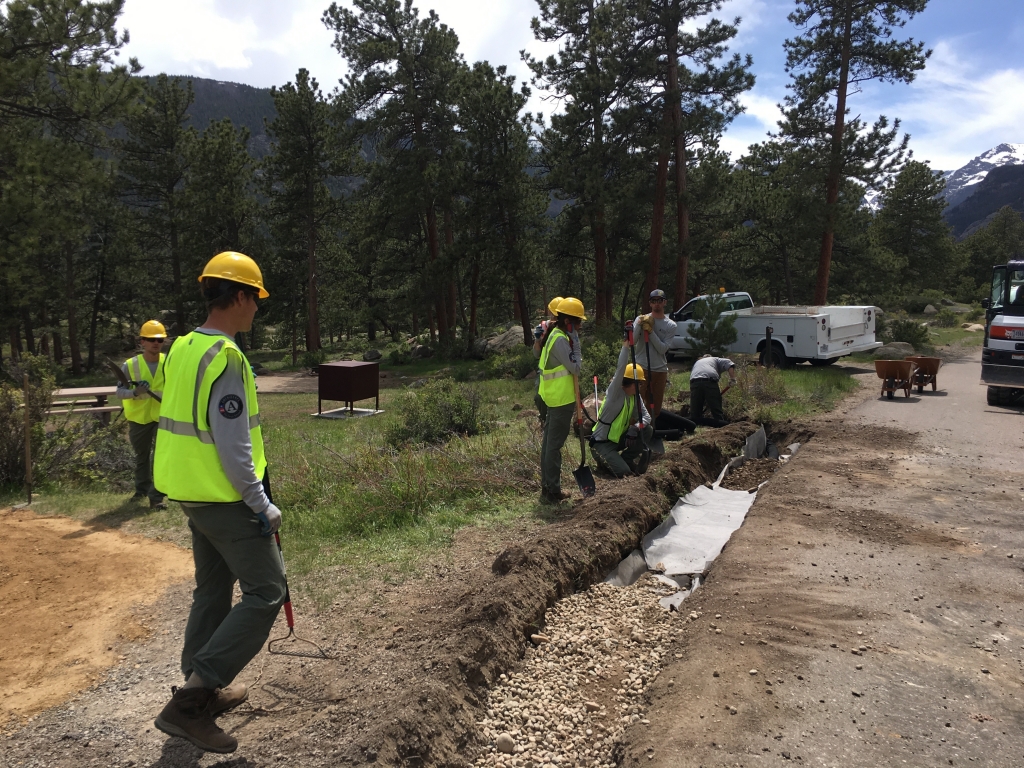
[301, 647]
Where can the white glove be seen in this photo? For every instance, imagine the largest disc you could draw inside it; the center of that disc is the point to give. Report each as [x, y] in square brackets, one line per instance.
[270, 519]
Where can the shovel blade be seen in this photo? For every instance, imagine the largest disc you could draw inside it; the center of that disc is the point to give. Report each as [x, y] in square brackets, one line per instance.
[657, 446]
[585, 480]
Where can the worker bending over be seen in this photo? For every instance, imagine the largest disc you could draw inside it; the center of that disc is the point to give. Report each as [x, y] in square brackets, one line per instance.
[142, 410]
[704, 389]
[538, 347]
[210, 458]
[560, 361]
[617, 441]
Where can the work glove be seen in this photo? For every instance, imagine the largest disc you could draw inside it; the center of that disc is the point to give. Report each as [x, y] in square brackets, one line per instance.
[631, 435]
[141, 389]
[647, 323]
[270, 519]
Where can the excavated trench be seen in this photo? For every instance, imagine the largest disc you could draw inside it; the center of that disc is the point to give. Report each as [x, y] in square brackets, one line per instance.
[482, 633]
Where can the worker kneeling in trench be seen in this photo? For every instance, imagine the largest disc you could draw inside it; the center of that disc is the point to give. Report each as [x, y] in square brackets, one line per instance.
[617, 442]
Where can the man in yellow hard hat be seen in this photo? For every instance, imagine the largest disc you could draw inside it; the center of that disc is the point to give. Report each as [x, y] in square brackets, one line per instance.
[560, 361]
[141, 409]
[210, 458]
[617, 441]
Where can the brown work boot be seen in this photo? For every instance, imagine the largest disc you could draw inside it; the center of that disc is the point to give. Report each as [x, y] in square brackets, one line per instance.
[228, 697]
[554, 497]
[188, 715]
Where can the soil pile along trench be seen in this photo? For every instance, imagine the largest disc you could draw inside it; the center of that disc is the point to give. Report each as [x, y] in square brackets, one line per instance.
[69, 590]
[481, 633]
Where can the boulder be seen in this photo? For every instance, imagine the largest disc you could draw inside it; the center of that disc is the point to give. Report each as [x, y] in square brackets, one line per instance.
[972, 327]
[895, 350]
[930, 310]
[371, 355]
[420, 351]
[503, 342]
[948, 303]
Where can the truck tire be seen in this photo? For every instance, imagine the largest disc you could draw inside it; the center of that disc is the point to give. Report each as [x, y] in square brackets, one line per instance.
[779, 359]
[819, 362]
[1000, 396]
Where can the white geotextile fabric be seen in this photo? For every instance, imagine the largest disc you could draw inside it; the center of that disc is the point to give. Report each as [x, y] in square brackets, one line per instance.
[696, 530]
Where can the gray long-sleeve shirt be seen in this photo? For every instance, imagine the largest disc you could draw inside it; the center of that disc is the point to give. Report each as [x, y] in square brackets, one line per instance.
[231, 432]
[710, 368]
[659, 339]
[123, 393]
[616, 399]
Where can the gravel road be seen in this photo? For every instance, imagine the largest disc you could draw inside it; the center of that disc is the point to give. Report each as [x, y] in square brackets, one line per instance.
[876, 587]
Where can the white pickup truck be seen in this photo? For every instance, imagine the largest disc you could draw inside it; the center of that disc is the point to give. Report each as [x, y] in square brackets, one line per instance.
[818, 335]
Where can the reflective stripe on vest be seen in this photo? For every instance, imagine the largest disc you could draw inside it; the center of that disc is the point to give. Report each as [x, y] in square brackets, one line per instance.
[187, 466]
[621, 422]
[144, 410]
[556, 385]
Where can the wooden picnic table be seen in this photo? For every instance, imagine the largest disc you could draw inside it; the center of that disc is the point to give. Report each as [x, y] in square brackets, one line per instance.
[72, 397]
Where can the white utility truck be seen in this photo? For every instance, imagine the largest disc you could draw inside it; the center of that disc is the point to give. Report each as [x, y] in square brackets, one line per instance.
[1002, 358]
[818, 335]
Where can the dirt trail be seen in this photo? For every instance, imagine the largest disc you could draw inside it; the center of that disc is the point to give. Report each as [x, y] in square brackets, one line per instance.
[876, 588]
[72, 593]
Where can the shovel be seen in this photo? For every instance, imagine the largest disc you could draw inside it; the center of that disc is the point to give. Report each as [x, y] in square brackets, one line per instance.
[656, 445]
[584, 477]
[125, 381]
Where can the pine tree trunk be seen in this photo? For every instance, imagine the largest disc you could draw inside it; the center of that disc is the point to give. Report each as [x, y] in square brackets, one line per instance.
[44, 340]
[101, 287]
[69, 298]
[434, 248]
[788, 275]
[835, 169]
[600, 261]
[474, 295]
[449, 241]
[682, 207]
[430, 322]
[15, 343]
[313, 311]
[658, 217]
[179, 294]
[295, 345]
[30, 341]
[524, 314]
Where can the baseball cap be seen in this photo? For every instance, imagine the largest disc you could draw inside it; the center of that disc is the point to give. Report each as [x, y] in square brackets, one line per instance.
[657, 293]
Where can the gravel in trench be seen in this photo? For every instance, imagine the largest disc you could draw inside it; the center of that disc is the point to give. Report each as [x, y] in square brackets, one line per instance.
[582, 680]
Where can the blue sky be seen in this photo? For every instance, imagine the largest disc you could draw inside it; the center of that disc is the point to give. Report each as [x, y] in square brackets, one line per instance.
[970, 97]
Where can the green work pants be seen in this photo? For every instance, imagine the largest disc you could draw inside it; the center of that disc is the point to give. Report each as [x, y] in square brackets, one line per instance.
[556, 430]
[220, 639]
[618, 459]
[142, 437]
[705, 392]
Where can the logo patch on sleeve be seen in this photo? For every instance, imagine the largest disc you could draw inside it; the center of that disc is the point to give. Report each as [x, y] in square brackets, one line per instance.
[230, 406]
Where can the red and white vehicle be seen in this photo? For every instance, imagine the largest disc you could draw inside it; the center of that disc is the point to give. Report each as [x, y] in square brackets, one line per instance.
[1002, 358]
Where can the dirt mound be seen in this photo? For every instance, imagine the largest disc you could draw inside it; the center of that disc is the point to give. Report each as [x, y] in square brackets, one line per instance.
[469, 638]
[70, 590]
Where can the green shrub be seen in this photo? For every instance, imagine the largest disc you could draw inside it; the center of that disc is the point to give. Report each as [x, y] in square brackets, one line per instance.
[399, 356]
[515, 363]
[756, 389]
[975, 314]
[946, 318]
[899, 327]
[969, 292]
[313, 358]
[441, 409]
[600, 359]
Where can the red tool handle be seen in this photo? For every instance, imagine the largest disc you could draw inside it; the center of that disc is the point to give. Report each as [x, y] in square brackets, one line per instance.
[287, 592]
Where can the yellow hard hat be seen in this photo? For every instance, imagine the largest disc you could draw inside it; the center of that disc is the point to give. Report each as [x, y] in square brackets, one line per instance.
[153, 329]
[572, 307]
[634, 372]
[553, 305]
[237, 267]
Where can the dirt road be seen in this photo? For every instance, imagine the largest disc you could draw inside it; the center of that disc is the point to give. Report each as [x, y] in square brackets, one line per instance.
[870, 610]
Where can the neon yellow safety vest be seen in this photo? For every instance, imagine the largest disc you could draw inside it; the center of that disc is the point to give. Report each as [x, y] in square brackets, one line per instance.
[556, 385]
[186, 466]
[144, 410]
[622, 421]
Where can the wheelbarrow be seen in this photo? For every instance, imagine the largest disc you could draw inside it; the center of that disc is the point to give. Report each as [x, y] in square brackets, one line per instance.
[895, 374]
[926, 371]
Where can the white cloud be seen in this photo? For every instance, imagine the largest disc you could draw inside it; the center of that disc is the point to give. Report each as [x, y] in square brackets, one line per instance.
[955, 110]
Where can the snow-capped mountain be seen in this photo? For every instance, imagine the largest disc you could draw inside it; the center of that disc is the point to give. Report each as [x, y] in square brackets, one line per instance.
[962, 183]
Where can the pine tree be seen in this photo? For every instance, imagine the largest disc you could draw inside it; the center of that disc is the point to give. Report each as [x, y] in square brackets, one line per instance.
[843, 43]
